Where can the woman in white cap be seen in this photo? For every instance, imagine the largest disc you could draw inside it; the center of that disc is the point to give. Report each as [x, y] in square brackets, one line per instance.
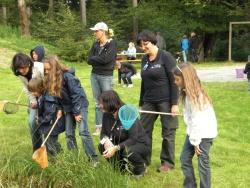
[101, 57]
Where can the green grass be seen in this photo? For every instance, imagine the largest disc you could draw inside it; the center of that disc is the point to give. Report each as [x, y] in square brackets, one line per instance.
[229, 154]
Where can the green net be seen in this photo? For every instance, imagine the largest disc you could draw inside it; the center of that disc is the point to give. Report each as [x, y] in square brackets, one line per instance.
[10, 108]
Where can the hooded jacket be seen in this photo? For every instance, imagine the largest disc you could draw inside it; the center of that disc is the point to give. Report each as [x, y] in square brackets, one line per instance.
[73, 95]
[39, 51]
[48, 107]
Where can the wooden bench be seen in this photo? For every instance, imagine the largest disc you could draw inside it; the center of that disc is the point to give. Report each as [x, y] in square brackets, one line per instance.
[123, 58]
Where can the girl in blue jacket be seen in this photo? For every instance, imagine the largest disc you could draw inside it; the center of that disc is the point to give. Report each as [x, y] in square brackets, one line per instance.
[62, 82]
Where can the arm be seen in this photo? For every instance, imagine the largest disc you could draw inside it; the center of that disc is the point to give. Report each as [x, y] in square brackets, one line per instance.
[32, 99]
[107, 55]
[76, 93]
[170, 63]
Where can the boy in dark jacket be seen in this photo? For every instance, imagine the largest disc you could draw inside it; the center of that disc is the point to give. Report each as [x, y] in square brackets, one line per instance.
[127, 71]
[48, 110]
[247, 71]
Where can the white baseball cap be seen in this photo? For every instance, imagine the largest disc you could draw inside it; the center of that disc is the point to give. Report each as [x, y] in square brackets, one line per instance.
[100, 26]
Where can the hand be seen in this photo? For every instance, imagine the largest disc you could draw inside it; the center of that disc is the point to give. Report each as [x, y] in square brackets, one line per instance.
[33, 105]
[197, 150]
[78, 118]
[175, 110]
[109, 152]
[108, 144]
[59, 114]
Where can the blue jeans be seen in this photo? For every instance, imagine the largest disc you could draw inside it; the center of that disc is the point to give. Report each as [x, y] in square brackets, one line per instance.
[34, 132]
[184, 54]
[83, 132]
[99, 84]
[187, 155]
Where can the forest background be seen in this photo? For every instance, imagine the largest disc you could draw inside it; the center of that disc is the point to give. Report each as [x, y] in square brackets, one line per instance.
[65, 23]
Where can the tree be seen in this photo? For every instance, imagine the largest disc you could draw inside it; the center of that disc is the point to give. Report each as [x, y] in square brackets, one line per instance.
[24, 22]
[83, 12]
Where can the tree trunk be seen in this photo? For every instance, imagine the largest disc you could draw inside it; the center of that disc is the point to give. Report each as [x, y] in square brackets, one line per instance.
[83, 12]
[135, 21]
[4, 14]
[24, 22]
[51, 5]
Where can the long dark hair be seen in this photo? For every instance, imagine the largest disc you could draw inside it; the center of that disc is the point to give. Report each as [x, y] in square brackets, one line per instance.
[111, 101]
[21, 60]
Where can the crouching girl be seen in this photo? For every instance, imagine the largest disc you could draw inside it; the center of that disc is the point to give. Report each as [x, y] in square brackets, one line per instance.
[118, 145]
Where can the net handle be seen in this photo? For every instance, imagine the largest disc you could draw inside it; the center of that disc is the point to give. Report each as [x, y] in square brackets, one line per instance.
[53, 126]
[19, 97]
[161, 113]
[19, 104]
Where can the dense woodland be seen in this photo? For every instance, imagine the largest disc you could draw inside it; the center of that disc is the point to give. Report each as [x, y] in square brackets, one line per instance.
[65, 23]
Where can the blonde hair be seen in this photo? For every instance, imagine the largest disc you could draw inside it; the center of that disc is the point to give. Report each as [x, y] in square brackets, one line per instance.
[54, 79]
[110, 33]
[36, 85]
[193, 88]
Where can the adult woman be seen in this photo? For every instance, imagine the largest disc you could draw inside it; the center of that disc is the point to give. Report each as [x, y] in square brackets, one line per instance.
[158, 93]
[23, 67]
[102, 57]
[62, 83]
[118, 144]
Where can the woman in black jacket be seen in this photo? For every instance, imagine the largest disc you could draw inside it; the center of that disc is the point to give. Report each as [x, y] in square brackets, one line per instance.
[158, 93]
[102, 57]
[119, 145]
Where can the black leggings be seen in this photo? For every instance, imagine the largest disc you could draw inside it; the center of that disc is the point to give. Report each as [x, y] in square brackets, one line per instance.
[135, 155]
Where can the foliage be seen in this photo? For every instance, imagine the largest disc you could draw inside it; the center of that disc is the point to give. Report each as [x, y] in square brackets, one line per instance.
[63, 30]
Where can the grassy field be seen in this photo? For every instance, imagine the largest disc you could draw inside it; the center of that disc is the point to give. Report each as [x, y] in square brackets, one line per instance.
[229, 154]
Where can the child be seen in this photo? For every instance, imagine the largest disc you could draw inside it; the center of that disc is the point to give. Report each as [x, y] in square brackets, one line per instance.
[62, 82]
[131, 51]
[127, 71]
[247, 71]
[119, 145]
[48, 110]
[37, 54]
[201, 124]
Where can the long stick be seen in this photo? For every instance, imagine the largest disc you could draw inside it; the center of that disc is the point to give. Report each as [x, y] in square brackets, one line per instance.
[19, 104]
[17, 101]
[161, 113]
[53, 126]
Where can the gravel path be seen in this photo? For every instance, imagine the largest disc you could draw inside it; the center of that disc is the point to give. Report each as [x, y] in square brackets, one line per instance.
[216, 74]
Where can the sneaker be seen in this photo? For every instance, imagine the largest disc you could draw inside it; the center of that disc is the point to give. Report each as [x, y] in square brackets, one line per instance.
[139, 176]
[164, 168]
[97, 132]
[130, 85]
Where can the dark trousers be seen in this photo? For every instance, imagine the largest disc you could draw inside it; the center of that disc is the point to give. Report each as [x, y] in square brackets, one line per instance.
[194, 54]
[187, 155]
[126, 77]
[53, 147]
[133, 156]
[169, 125]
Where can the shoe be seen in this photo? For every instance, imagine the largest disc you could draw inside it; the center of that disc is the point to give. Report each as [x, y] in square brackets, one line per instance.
[130, 85]
[124, 85]
[139, 176]
[164, 168]
[97, 132]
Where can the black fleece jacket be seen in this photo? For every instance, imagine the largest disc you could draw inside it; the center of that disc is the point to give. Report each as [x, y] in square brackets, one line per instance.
[157, 83]
[103, 58]
[119, 136]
